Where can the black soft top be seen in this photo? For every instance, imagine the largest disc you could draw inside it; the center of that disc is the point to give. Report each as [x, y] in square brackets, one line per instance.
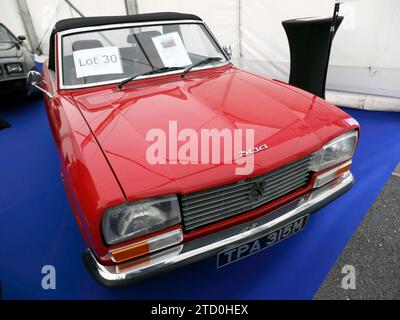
[73, 23]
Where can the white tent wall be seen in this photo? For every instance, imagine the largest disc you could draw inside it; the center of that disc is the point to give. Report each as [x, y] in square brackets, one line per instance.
[364, 68]
[45, 13]
[221, 16]
[9, 16]
[365, 55]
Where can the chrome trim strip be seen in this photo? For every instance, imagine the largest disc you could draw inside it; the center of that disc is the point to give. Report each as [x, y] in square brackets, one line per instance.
[47, 93]
[126, 25]
[125, 273]
[129, 25]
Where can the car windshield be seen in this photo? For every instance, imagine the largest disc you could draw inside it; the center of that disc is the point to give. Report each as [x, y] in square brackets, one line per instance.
[6, 42]
[111, 55]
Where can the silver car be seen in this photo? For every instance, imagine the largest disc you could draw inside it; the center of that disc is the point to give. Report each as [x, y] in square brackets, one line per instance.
[15, 63]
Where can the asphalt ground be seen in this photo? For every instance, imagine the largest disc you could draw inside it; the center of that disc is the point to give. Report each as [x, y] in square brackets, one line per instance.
[373, 251]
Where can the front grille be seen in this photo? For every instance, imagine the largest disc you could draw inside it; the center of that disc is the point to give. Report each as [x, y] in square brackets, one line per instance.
[212, 205]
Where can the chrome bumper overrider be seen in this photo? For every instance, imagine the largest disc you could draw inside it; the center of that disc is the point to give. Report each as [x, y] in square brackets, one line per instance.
[188, 252]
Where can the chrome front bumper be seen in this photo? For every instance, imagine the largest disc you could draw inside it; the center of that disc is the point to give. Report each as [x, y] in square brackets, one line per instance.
[188, 252]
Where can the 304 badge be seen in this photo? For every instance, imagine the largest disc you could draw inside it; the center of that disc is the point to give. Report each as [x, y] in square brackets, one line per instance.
[244, 250]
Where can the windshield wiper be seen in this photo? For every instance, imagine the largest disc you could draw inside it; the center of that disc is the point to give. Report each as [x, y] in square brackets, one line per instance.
[155, 71]
[201, 62]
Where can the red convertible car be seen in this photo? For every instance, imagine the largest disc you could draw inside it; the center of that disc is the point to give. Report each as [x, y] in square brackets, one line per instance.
[118, 89]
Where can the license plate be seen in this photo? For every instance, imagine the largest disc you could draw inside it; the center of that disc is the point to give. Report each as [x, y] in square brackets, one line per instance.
[244, 250]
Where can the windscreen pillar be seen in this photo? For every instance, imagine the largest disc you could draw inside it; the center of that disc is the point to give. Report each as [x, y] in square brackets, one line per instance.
[310, 44]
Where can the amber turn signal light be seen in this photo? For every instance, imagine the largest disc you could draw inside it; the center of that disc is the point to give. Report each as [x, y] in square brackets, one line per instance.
[131, 252]
[150, 245]
[330, 175]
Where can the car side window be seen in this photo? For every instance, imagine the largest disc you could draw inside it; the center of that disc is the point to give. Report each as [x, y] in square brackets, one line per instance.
[6, 39]
[4, 35]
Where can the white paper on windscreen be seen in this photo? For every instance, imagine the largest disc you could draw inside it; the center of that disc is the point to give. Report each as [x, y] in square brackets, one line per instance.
[171, 50]
[97, 61]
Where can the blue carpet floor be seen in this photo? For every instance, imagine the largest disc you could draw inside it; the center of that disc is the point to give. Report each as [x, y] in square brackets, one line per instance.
[37, 227]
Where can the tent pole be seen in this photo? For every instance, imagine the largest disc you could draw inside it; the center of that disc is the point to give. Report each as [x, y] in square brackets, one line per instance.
[74, 8]
[240, 28]
[29, 27]
[131, 7]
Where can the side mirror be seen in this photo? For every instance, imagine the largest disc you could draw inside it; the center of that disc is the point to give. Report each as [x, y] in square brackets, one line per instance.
[228, 51]
[21, 39]
[33, 80]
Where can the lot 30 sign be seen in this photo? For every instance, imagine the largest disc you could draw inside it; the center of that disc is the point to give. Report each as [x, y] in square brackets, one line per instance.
[97, 61]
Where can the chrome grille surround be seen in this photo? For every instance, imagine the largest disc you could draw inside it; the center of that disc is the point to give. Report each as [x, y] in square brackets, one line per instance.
[212, 205]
